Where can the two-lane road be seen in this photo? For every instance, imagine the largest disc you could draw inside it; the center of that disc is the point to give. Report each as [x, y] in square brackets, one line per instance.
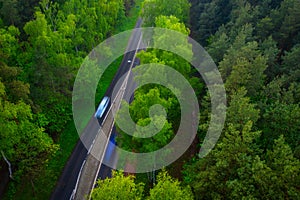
[69, 176]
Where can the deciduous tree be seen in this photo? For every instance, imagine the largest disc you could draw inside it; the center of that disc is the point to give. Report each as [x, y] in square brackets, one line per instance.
[118, 187]
[168, 188]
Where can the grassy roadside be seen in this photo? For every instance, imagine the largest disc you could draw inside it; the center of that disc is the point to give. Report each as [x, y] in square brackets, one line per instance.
[42, 186]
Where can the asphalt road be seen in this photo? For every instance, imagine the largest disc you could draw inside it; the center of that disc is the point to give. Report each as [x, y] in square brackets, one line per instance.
[68, 178]
[111, 153]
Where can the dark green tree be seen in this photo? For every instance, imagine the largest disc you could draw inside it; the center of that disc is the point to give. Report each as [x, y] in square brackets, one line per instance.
[209, 177]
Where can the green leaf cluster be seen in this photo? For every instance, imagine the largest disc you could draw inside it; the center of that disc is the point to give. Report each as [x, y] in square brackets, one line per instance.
[124, 187]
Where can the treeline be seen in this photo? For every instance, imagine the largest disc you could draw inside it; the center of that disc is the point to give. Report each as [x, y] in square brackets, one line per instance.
[42, 44]
[255, 45]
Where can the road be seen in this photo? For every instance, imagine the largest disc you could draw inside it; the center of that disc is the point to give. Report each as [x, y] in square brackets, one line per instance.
[110, 154]
[68, 178]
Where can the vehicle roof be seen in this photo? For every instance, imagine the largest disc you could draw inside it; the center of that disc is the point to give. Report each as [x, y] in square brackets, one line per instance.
[100, 110]
[103, 102]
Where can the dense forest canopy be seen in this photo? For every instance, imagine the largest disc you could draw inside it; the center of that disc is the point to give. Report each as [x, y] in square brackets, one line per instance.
[255, 44]
[42, 45]
[256, 47]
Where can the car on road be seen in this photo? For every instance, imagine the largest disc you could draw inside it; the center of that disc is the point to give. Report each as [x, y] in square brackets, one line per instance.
[102, 108]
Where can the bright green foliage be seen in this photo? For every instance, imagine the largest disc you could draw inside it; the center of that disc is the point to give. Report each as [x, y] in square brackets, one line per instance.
[154, 8]
[9, 44]
[94, 20]
[124, 187]
[172, 23]
[153, 94]
[118, 187]
[140, 106]
[157, 141]
[59, 37]
[51, 62]
[24, 144]
[139, 111]
[38, 63]
[9, 49]
[15, 89]
[168, 188]
[178, 44]
[51, 11]
[255, 43]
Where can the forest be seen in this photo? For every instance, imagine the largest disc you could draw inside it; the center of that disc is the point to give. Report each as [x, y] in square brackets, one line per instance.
[42, 45]
[255, 45]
